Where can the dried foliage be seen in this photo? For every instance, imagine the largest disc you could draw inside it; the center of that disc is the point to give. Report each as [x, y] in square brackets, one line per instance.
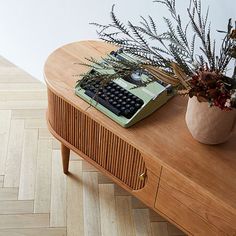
[173, 57]
[214, 88]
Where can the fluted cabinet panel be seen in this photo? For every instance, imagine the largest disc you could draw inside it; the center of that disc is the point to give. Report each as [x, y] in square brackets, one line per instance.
[98, 143]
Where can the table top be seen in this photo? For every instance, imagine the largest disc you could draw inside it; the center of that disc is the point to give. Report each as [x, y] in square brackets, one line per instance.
[163, 136]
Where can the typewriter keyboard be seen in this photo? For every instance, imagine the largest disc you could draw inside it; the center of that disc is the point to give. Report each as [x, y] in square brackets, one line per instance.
[112, 96]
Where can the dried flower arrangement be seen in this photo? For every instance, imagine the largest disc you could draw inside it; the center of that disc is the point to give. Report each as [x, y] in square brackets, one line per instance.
[173, 56]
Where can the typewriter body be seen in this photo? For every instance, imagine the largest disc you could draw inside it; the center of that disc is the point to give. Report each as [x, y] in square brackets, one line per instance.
[121, 99]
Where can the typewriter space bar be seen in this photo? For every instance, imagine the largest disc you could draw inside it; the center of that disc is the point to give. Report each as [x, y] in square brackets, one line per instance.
[103, 102]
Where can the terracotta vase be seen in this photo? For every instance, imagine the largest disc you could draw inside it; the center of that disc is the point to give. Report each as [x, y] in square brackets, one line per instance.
[209, 125]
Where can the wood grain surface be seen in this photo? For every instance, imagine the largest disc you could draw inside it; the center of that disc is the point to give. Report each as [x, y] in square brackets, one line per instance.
[163, 139]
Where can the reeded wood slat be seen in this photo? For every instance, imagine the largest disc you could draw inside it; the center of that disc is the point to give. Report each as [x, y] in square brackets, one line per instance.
[105, 148]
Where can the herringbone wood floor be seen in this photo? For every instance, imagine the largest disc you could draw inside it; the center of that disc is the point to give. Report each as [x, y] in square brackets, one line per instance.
[36, 198]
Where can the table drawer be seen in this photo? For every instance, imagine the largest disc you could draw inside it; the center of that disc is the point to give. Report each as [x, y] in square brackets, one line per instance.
[193, 209]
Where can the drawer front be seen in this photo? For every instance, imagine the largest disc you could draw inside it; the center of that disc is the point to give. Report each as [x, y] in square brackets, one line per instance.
[99, 144]
[182, 215]
[192, 208]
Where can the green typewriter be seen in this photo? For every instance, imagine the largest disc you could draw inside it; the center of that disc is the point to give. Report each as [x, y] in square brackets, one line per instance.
[120, 100]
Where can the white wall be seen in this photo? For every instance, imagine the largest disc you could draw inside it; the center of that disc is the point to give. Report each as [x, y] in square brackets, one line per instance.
[31, 29]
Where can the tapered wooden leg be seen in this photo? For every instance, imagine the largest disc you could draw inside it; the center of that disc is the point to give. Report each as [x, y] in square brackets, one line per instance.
[65, 153]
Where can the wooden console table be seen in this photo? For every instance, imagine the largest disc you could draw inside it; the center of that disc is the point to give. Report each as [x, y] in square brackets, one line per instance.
[191, 184]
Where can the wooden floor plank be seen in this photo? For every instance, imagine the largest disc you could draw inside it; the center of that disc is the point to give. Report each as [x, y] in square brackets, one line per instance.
[125, 223]
[16, 207]
[16, 78]
[159, 228]
[24, 221]
[102, 179]
[15, 75]
[29, 114]
[92, 225]
[34, 232]
[154, 217]
[174, 231]
[8, 193]
[32, 104]
[20, 96]
[75, 157]
[28, 165]
[1, 180]
[142, 222]
[88, 167]
[58, 192]
[75, 221]
[43, 177]
[22, 86]
[10, 79]
[44, 133]
[120, 191]
[14, 154]
[5, 121]
[35, 123]
[107, 210]
[137, 204]
[56, 144]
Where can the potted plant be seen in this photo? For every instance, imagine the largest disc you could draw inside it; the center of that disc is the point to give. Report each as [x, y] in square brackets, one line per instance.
[172, 56]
